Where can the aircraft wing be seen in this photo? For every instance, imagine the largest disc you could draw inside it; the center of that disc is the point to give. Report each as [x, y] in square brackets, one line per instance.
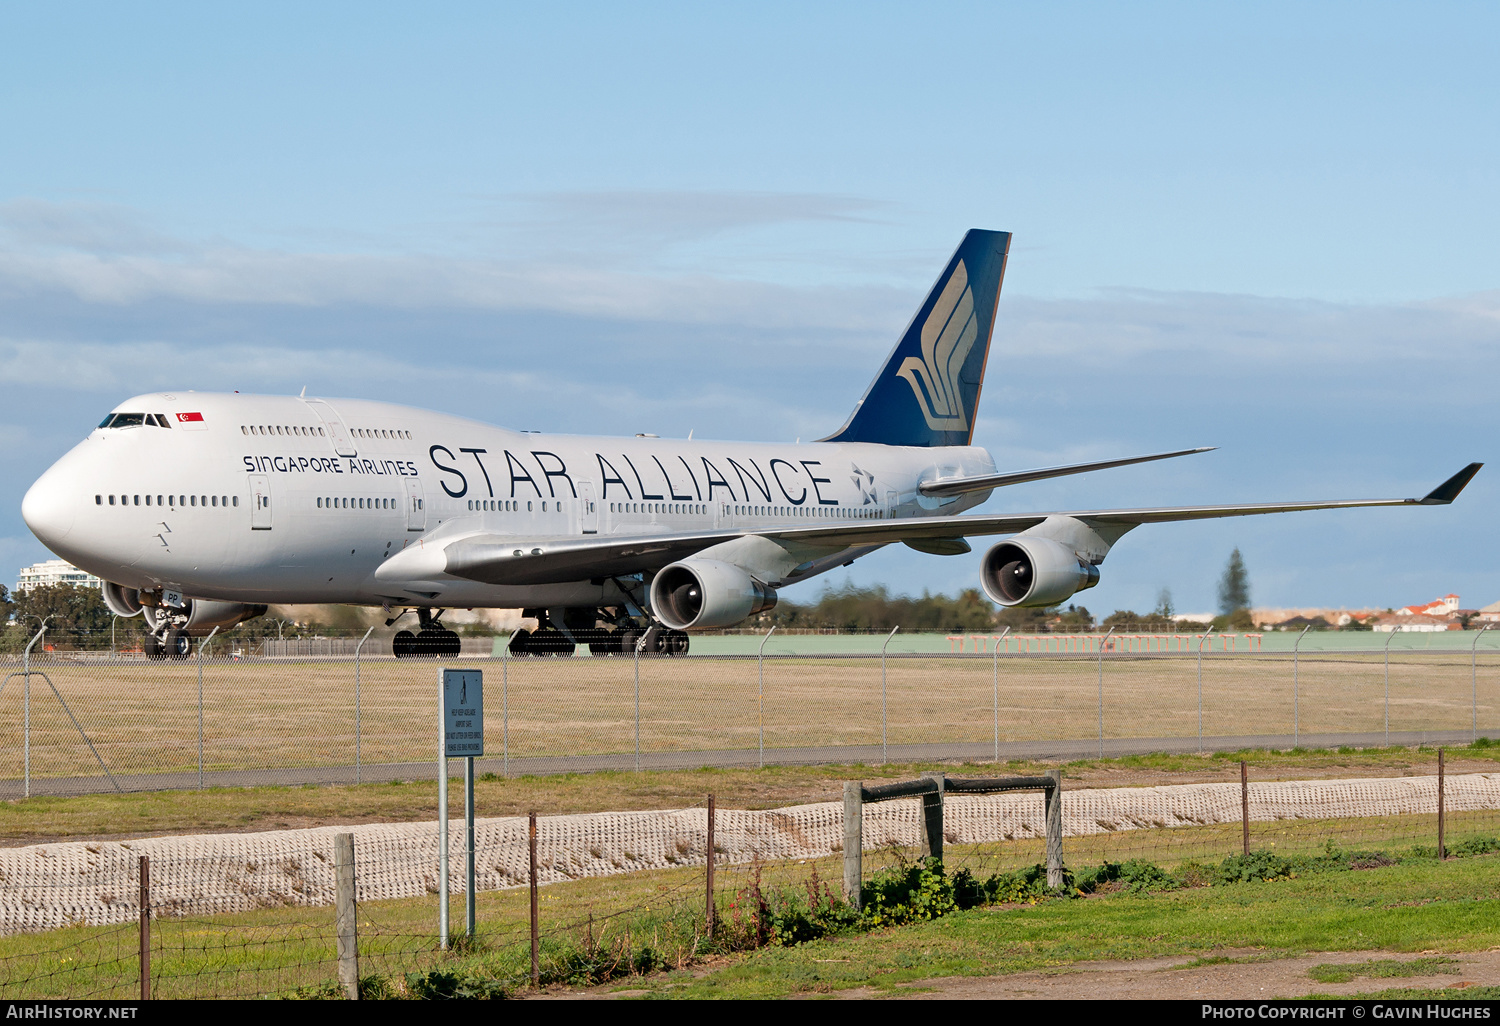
[498, 559]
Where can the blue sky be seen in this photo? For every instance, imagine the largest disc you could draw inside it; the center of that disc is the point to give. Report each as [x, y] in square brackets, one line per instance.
[1264, 227]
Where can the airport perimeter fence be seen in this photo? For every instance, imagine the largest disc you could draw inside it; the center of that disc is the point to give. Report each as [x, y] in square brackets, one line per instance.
[81, 721]
[594, 897]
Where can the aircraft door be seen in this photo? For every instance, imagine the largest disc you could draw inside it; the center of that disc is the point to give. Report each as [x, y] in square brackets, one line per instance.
[260, 502]
[588, 510]
[338, 435]
[416, 515]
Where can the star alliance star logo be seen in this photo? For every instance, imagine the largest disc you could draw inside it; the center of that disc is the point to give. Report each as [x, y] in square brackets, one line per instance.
[865, 482]
[947, 336]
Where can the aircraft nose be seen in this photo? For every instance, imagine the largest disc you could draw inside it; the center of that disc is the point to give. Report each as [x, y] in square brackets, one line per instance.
[49, 509]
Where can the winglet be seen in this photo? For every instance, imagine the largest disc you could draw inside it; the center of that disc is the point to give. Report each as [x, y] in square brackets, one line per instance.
[1449, 489]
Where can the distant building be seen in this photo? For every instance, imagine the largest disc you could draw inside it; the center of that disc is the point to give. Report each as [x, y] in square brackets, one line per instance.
[54, 571]
[1490, 613]
[1405, 622]
[1445, 606]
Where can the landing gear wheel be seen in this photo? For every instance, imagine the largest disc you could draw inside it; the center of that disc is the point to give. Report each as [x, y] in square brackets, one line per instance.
[677, 643]
[550, 642]
[449, 645]
[429, 643]
[404, 644]
[655, 642]
[628, 639]
[520, 643]
[155, 647]
[179, 644]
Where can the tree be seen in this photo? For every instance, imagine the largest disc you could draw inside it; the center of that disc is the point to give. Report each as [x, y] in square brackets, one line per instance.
[1164, 604]
[1234, 586]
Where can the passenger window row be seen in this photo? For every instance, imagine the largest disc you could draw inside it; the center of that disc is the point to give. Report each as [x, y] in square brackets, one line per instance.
[510, 505]
[169, 501]
[300, 430]
[657, 507]
[344, 502]
[380, 433]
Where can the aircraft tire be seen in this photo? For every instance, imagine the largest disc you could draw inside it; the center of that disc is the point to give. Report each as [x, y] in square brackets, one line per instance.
[627, 640]
[551, 642]
[677, 643]
[429, 643]
[520, 643]
[155, 647]
[179, 644]
[403, 644]
[450, 644]
[655, 642]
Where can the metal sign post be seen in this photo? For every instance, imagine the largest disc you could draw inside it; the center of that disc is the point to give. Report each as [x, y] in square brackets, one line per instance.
[460, 735]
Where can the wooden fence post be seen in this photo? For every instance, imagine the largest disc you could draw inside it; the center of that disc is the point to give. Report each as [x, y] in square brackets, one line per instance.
[854, 840]
[145, 931]
[1245, 807]
[1054, 830]
[1442, 849]
[346, 914]
[536, 965]
[710, 874]
[932, 818]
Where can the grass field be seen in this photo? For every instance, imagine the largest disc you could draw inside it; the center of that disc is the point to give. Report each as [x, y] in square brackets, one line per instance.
[656, 919]
[143, 717]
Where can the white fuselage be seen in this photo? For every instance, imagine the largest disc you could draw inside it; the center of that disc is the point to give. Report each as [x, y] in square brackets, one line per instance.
[263, 499]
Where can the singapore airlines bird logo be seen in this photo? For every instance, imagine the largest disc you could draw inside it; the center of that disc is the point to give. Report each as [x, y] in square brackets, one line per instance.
[948, 335]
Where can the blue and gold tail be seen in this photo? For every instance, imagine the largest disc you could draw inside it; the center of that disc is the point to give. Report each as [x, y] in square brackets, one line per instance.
[928, 391]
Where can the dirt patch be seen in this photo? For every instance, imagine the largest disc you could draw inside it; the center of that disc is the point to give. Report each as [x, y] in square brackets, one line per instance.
[1252, 976]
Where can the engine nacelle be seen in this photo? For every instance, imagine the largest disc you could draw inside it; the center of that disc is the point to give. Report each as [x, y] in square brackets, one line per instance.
[1034, 572]
[707, 593]
[204, 615]
[122, 601]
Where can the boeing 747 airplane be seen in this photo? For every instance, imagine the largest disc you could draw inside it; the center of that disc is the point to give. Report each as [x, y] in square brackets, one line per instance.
[199, 509]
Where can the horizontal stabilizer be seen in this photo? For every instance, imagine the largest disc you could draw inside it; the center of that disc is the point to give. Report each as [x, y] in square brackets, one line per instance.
[962, 485]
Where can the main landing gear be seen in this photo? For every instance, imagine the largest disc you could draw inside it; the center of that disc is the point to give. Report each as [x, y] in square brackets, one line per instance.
[624, 637]
[170, 644]
[432, 640]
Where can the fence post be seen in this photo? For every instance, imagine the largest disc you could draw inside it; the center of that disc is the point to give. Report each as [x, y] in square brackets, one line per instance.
[760, 701]
[1296, 681]
[995, 700]
[145, 929]
[201, 646]
[710, 873]
[1245, 806]
[1101, 691]
[1389, 638]
[357, 746]
[346, 914]
[1200, 686]
[505, 703]
[26, 705]
[639, 644]
[932, 817]
[883, 735]
[536, 965]
[1474, 683]
[1054, 830]
[1442, 849]
[854, 840]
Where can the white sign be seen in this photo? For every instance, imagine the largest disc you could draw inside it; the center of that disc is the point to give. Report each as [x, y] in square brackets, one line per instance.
[463, 712]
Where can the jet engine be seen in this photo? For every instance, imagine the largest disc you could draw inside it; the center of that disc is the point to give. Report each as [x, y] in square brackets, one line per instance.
[1028, 571]
[198, 617]
[707, 593]
[122, 601]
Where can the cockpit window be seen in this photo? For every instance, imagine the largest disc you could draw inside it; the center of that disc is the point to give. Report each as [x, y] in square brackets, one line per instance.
[120, 420]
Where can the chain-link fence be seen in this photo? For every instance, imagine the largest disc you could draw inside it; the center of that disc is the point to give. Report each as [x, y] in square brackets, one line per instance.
[81, 720]
[589, 897]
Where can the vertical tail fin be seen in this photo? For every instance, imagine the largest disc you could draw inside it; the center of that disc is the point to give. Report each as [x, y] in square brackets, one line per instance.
[928, 391]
